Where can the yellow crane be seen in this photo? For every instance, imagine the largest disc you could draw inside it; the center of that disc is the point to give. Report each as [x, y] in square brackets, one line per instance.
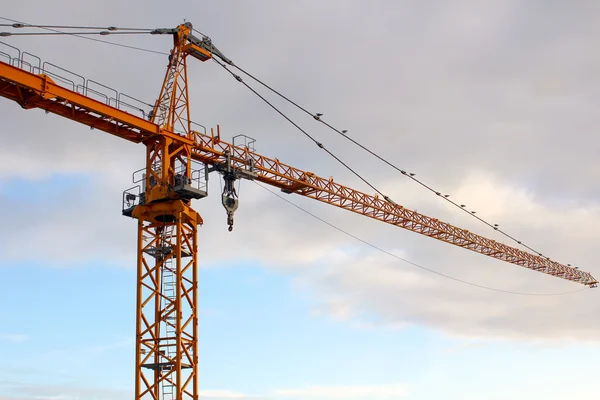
[178, 161]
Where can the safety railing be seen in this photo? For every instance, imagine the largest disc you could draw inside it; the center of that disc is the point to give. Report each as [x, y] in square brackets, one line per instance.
[198, 176]
[70, 80]
[244, 145]
[198, 180]
[132, 197]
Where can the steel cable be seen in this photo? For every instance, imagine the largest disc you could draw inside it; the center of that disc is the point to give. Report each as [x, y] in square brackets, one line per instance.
[408, 261]
[409, 175]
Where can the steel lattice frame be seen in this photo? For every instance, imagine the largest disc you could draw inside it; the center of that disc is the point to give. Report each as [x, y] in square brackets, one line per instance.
[167, 319]
[167, 344]
[211, 150]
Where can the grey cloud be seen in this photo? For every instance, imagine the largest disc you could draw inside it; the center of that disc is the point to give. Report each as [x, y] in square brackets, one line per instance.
[503, 91]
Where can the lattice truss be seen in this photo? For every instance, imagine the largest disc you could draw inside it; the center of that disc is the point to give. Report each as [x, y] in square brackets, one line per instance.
[167, 310]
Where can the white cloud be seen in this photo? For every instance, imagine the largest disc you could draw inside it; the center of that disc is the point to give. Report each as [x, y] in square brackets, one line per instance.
[32, 391]
[221, 394]
[354, 282]
[116, 345]
[375, 392]
[14, 337]
[377, 288]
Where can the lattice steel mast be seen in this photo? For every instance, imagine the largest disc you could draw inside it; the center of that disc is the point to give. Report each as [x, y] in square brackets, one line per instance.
[167, 298]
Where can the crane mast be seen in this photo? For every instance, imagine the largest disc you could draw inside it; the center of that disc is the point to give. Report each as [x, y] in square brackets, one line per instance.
[176, 171]
[167, 257]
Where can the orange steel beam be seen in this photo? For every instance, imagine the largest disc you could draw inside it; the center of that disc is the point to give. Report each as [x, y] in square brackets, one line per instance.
[31, 90]
[40, 91]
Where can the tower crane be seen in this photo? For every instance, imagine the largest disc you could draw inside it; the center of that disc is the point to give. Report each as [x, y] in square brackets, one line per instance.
[178, 161]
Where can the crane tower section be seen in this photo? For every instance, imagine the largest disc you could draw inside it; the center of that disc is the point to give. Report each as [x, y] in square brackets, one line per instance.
[167, 289]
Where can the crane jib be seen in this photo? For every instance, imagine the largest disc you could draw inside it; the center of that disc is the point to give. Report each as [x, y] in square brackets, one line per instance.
[40, 91]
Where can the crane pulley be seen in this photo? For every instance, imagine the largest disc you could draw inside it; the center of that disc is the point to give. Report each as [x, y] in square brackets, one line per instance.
[178, 161]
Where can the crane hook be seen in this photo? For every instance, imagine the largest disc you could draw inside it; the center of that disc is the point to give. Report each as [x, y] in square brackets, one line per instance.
[229, 198]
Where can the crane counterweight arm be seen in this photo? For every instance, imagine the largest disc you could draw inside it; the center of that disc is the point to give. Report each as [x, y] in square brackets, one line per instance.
[39, 91]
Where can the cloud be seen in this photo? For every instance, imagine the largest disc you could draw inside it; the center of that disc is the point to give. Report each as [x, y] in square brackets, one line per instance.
[354, 282]
[14, 337]
[221, 394]
[379, 289]
[30, 391]
[116, 345]
[493, 103]
[376, 392]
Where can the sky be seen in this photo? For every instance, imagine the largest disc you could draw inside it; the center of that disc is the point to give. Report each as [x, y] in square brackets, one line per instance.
[492, 102]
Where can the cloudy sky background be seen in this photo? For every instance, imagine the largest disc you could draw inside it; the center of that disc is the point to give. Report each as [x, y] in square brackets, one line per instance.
[492, 102]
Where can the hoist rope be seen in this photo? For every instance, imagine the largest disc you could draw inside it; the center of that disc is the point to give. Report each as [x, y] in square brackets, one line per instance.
[409, 175]
[367, 243]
